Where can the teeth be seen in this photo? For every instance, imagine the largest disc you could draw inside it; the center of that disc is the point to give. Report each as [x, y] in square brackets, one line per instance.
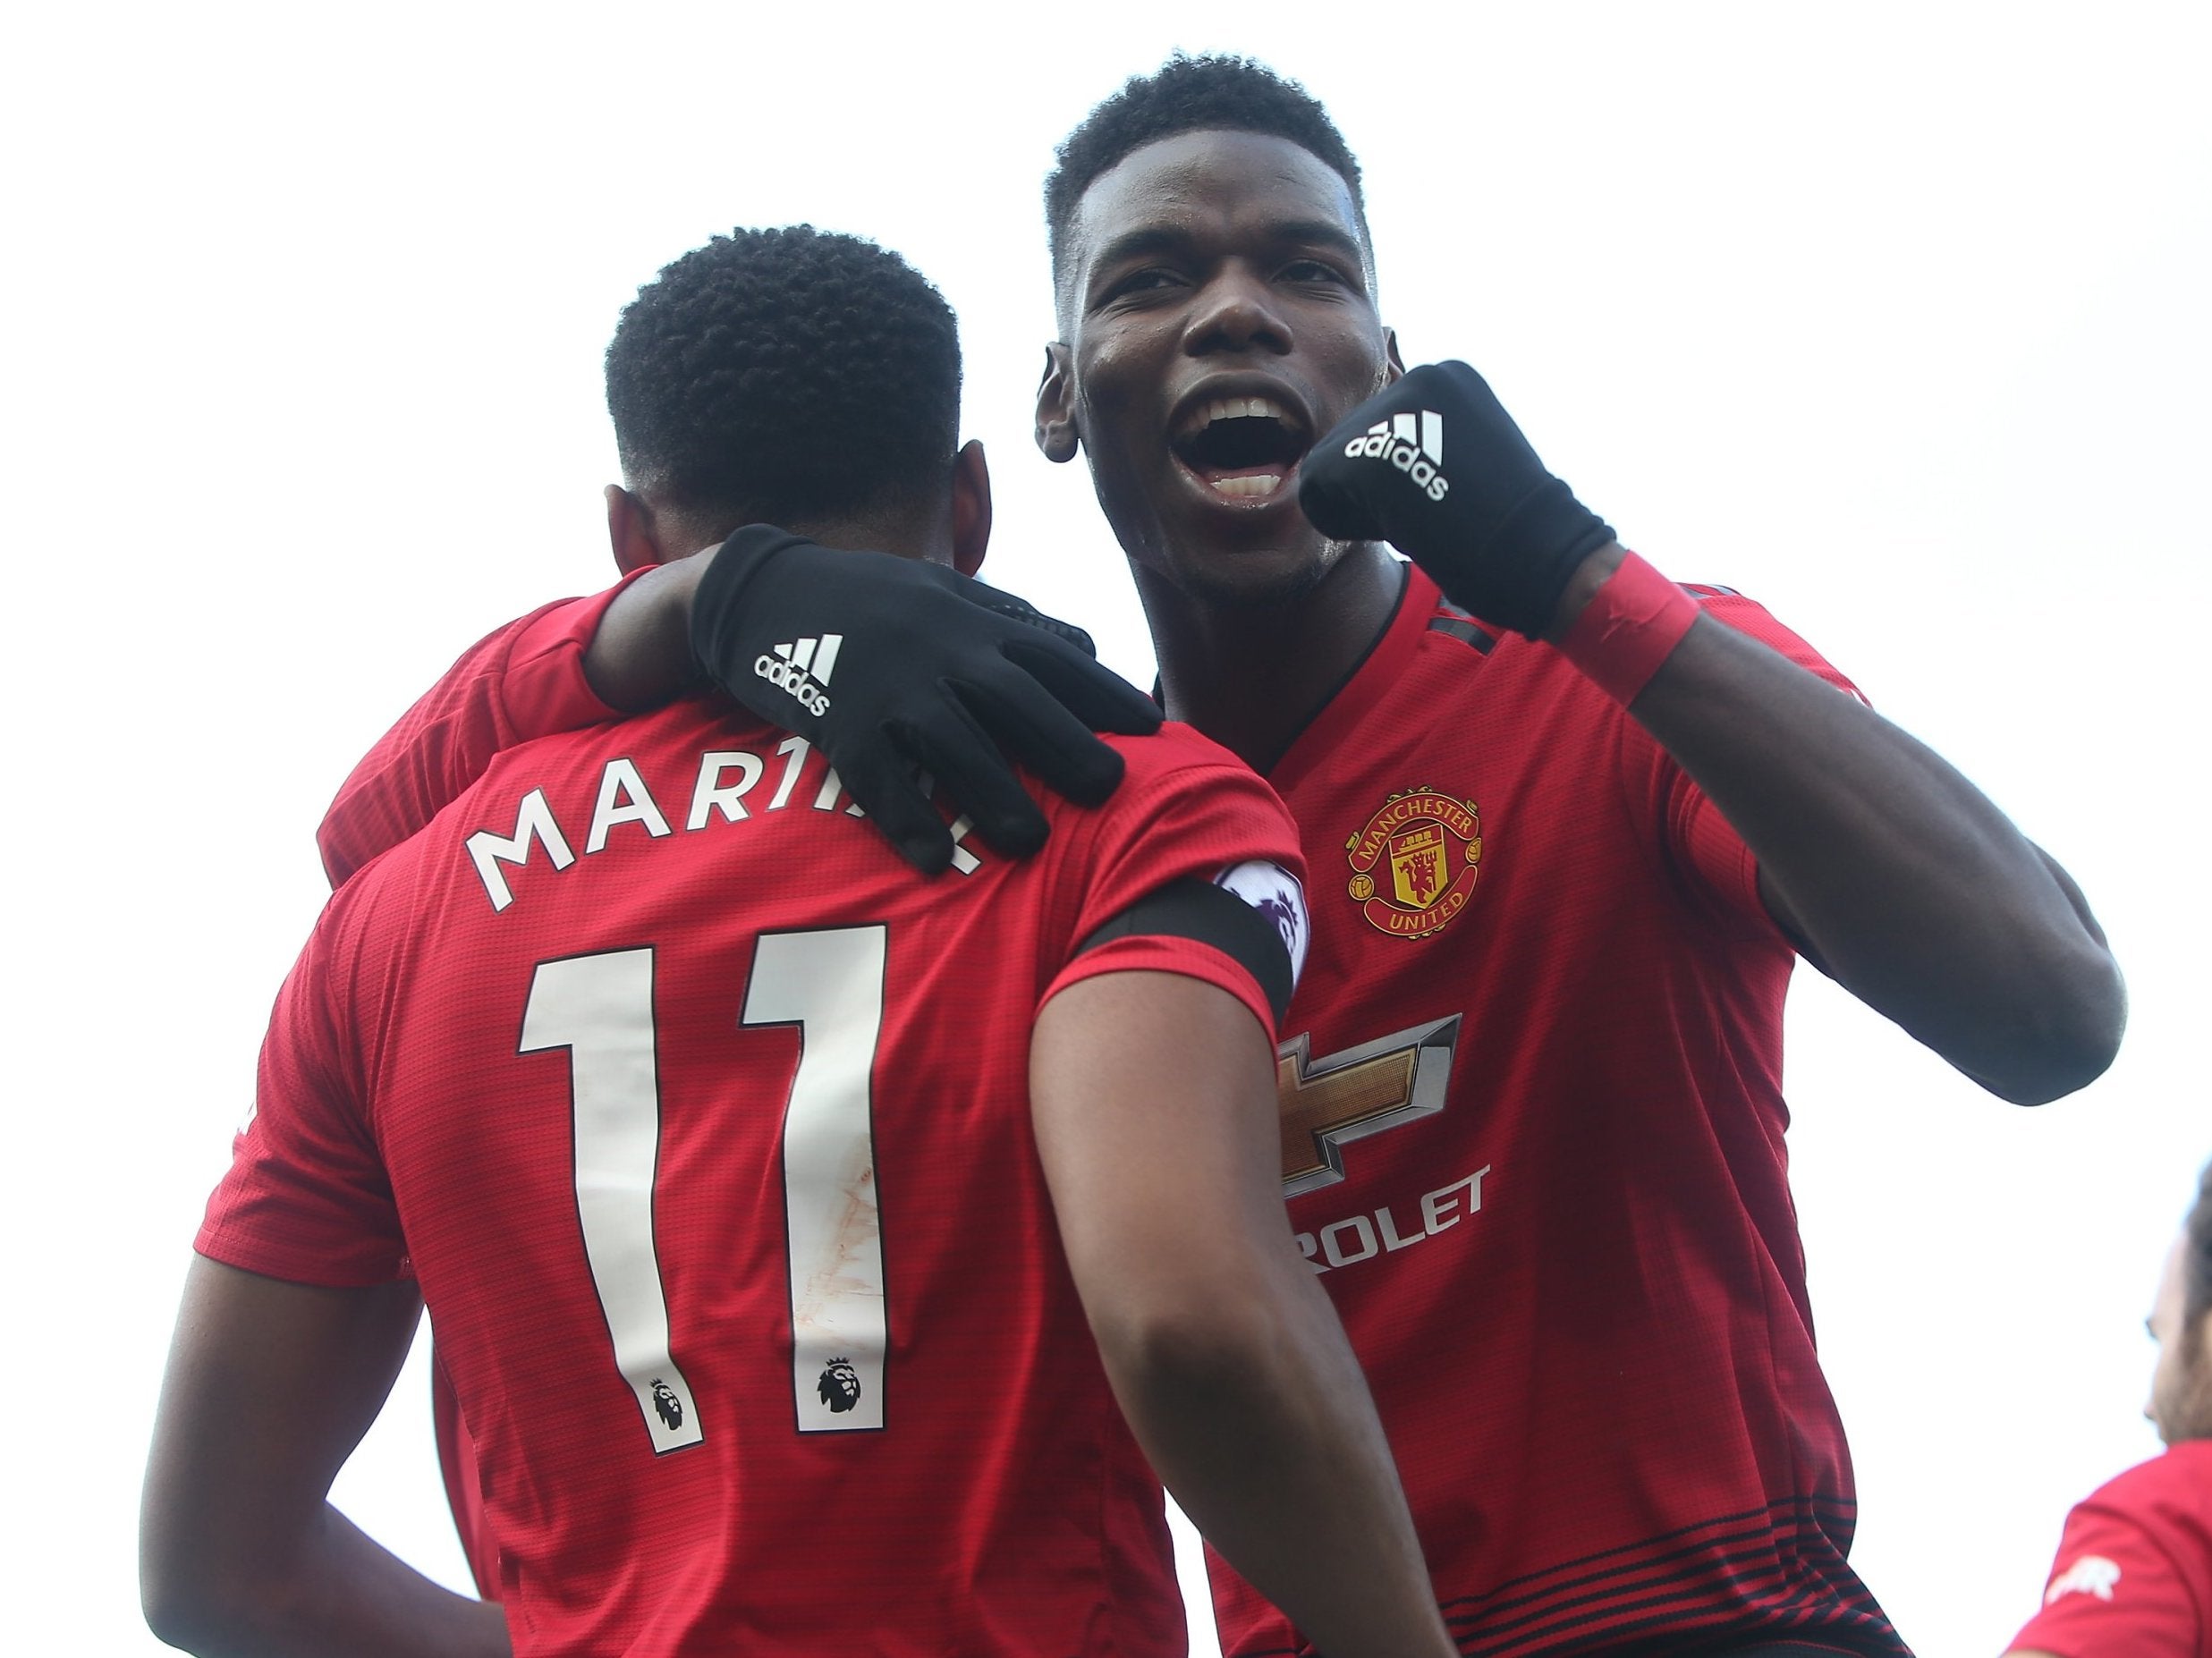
[1258, 484]
[1231, 408]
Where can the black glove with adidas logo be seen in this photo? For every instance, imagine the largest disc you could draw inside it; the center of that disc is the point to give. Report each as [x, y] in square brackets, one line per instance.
[1435, 467]
[889, 664]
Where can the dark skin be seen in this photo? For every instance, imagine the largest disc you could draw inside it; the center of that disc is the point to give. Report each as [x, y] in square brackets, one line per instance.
[1231, 261]
[1182, 292]
[270, 1386]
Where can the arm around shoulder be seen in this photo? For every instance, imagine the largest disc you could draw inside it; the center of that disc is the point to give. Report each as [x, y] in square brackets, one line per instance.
[528, 678]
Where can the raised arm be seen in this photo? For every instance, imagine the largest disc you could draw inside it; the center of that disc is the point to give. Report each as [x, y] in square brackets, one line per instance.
[1155, 1107]
[1894, 874]
[1898, 876]
[270, 1386]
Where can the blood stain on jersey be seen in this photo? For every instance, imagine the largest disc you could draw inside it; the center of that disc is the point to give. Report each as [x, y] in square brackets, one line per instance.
[669, 1407]
[839, 1384]
[1414, 864]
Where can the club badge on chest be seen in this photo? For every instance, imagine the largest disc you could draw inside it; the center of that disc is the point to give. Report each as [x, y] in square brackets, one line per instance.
[1414, 864]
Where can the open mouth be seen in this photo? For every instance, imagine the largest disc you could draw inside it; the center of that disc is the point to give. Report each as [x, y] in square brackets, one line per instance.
[1243, 448]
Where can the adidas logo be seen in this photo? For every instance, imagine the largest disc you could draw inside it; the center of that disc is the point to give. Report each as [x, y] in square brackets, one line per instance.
[802, 668]
[1413, 443]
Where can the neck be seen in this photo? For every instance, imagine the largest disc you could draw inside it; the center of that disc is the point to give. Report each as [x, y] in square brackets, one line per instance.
[1251, 676]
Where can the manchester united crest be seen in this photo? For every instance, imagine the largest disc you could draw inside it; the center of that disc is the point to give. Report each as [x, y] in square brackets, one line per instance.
[1413, 866]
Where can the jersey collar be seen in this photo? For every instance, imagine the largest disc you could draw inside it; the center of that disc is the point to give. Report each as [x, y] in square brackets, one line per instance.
[1386, 662]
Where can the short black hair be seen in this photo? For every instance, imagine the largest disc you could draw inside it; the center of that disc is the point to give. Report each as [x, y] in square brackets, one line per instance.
[2197, 1264]
[781, 375]
[1192, 94]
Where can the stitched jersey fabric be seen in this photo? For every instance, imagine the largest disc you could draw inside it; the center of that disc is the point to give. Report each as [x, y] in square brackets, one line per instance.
[1533, 1132]
[1533, 1136]
[703, 1123]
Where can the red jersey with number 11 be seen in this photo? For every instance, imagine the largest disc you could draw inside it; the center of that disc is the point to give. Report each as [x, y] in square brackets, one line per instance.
[703, 1123]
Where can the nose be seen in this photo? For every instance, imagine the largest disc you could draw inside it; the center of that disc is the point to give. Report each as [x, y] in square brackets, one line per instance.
[1237, 311]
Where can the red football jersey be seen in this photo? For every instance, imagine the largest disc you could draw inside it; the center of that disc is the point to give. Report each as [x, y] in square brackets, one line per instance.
[2134, 1577]
[1533, 1139]
[1533, 1135]
[703, 1123]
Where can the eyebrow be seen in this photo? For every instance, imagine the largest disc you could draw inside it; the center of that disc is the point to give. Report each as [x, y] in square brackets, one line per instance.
[1138, 244]
[1153, 239]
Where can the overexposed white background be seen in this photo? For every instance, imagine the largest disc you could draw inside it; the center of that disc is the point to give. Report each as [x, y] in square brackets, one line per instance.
[1892, 316]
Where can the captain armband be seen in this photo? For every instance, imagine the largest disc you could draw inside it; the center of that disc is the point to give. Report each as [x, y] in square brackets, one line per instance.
[1254, 913]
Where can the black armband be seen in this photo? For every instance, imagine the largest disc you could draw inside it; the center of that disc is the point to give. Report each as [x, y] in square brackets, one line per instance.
[1207, 914]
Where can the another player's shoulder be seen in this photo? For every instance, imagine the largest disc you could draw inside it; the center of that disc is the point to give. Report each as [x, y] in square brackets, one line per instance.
[1172, 752]
[1182, 798]
[2177, 1482]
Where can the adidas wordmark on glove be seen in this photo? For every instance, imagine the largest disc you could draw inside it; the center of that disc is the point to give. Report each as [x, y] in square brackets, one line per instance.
[1435, 466]
[890, 663]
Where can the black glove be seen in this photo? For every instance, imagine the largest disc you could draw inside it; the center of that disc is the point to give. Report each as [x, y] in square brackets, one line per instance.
[1435, 467]
[888, 664]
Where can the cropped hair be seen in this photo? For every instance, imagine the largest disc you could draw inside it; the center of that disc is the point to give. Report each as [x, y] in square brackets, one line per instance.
[782, 374]
[1190, 95]
[2197, 1262]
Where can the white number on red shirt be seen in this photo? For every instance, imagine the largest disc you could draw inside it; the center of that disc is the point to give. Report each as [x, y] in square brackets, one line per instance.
[830, 985]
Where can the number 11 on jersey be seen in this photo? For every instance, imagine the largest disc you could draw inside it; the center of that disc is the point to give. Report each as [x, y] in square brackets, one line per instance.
[830, 985]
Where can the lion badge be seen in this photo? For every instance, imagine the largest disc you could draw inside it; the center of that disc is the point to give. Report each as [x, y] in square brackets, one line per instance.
[667, 1405]
[839, 1385]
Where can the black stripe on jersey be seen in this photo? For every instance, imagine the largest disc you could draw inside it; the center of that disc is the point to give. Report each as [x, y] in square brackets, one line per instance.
[1197, 909]
[1780, 1570]
[1451, 620]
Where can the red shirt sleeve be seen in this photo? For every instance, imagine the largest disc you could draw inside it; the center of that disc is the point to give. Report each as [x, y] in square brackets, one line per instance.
[524, 680]
[1705, 847]
[2133, 1570]
[1185, 809]
[307, 1198]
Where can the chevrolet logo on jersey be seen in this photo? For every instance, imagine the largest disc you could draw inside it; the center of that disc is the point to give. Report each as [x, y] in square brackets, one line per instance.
[1341, 1097]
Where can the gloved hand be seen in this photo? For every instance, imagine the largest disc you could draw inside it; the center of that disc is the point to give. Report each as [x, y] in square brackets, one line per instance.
[1435, 466]
[888, 664]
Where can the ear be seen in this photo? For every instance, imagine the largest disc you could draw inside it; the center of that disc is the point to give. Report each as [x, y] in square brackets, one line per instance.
[1393, 365]
[972, 508]
[1055, 406]
[630, 527]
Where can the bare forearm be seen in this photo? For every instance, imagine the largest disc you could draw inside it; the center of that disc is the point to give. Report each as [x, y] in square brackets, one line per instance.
[641, 657]
[1899, 876]
[337, 1592]
[1226, 1357]
[1257, 1411]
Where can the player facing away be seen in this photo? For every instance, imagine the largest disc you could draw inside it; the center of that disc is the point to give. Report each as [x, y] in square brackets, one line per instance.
[791, 1224]
[2133, 1576]
[1568, 825]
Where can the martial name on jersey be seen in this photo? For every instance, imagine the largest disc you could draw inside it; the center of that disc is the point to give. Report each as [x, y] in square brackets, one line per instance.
[723, 784]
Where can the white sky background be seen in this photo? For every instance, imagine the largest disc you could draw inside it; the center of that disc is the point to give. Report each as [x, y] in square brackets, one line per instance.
[1891, 316]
